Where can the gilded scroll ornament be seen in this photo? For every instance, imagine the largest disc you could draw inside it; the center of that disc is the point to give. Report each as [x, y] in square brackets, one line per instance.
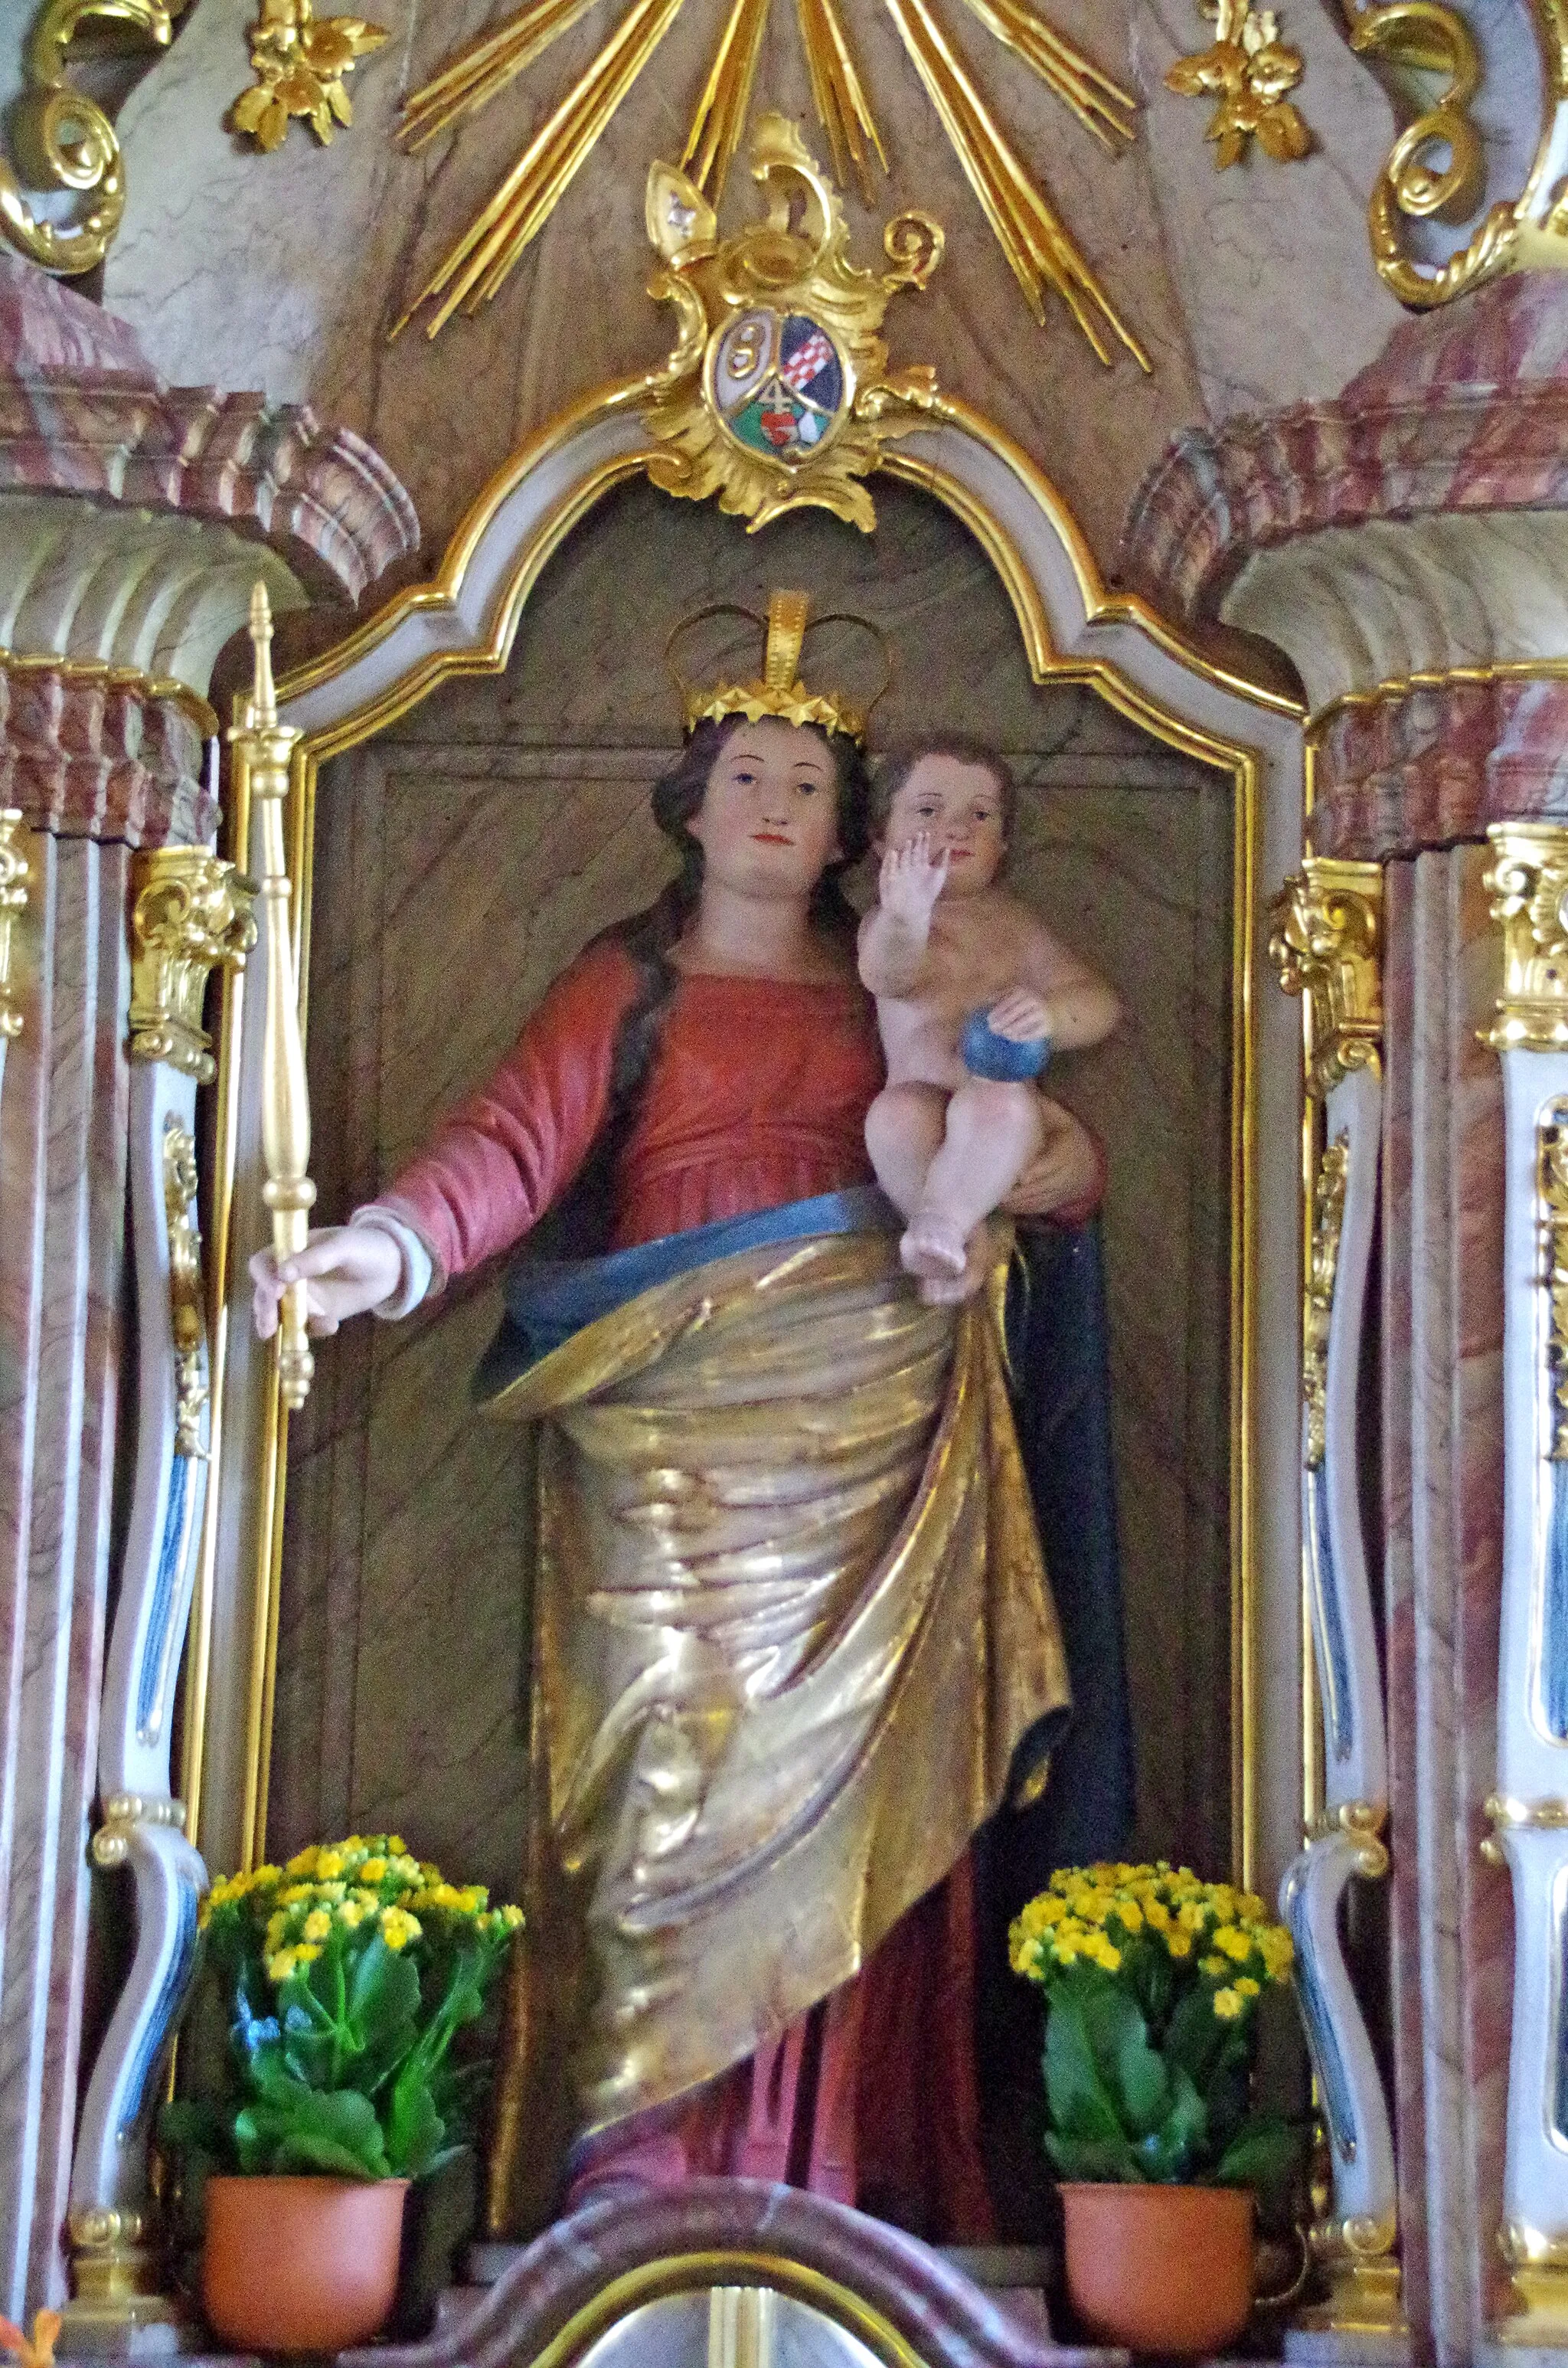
[187, 1323]
[1328, 1220]
[1436, 167]
[71, 139]
[190, 911]
[1527, 883]
[1039, 249]
[776, 395]
[299, 60]
[1247, 71]
[1326, 943]
[14, 876]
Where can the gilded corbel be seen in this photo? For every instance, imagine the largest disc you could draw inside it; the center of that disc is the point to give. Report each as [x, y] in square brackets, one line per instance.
[189, 912]
[1326, 943]
[1527, 883]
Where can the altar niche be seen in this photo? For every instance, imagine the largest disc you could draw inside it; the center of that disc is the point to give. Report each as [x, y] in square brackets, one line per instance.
[461, 858]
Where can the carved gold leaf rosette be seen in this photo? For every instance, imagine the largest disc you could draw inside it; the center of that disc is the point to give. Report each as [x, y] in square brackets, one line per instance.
[777, 395]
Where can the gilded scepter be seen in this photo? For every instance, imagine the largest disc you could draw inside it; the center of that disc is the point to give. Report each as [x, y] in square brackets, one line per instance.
[263, 750]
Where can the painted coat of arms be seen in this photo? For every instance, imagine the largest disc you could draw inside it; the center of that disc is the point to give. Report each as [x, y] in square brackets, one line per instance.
[777, 395]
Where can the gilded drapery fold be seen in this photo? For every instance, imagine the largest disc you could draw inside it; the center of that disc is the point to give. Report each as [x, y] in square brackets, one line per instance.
[793, 1625]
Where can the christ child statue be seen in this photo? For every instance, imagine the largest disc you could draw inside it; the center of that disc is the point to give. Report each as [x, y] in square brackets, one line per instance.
[973, 994]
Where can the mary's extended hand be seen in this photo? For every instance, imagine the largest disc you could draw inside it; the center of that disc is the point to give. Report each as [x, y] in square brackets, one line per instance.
[345, 1269]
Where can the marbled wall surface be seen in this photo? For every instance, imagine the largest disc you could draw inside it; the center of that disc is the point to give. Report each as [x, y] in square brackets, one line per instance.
[63, 1109]
[461, 859]
[1452, 1925]
[286, 272]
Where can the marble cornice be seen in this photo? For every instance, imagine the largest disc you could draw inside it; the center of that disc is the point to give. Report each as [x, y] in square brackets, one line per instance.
[1428, 764]
[1220, 495]
[1464, 410]
[87, 756]
[320, 496]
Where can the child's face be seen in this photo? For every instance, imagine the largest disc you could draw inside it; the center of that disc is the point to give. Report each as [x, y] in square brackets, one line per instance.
[958, 805]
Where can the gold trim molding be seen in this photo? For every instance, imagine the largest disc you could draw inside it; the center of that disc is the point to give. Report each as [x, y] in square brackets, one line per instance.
[190, 911]
[14, 873]
[1326, 943]
[1526, 882]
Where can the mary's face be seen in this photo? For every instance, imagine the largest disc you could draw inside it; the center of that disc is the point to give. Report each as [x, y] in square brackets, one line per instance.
[768, 822]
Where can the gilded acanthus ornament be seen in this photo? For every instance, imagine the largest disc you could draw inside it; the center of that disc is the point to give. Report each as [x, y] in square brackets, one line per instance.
[1527, 883]
[1327, 944]
[776, 395]
[186, 1322]
[71, 137]
[299, 60]
[190, 911]
[14, 876]
[1328, 1221]
[1247, 71]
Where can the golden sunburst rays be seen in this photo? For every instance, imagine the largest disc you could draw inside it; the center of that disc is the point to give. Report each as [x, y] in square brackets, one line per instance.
[1029, 233]
[721, 117]
[476, 73]
[495, 240]
[1039, 248]
[842, 108]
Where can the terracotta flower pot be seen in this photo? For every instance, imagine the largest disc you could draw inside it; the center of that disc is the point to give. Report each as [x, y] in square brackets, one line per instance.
[1160, 2269]
[301, 2264]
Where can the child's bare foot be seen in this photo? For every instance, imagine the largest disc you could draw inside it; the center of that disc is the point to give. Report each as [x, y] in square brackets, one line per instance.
[933, 1248]
[951, 1289]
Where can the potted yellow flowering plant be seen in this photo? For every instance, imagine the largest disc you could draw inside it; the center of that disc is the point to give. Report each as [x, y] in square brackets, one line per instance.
[1152, 1981]
[343, 1979]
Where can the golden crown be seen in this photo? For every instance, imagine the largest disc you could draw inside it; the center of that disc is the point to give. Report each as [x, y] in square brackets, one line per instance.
[777, 690]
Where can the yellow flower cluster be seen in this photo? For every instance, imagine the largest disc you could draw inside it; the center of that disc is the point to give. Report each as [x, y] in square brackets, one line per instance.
[1095, 1914]
[339, 1888]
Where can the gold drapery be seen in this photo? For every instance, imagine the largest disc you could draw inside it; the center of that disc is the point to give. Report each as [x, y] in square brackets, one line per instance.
[792, 1624]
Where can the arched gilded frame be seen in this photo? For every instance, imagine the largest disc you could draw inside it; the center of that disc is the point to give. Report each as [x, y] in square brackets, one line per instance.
[1074, 630]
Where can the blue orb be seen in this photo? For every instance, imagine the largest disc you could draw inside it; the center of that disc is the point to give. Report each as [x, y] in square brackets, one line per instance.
[1001, 1059]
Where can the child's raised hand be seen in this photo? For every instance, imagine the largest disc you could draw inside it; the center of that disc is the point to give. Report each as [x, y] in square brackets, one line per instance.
[1020, 1015]
[911, 879]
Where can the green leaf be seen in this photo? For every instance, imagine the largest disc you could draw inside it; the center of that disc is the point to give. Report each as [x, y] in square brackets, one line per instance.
[414, 2129]
[383, 1997]
[1143, 2082]
[1196, 2037]
[1091, 2159]
[1081, 2108]
[1263, 2155]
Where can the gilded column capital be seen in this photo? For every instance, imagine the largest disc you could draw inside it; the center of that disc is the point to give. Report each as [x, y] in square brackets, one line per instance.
[189, 911]
[1526, 880]
[1326, 943]
[13, 874]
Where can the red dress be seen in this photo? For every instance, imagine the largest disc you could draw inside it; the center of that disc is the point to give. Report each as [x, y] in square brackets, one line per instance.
[757, 1095]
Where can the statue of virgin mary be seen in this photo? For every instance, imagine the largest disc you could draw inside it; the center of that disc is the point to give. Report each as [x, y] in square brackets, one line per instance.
[795, 1645]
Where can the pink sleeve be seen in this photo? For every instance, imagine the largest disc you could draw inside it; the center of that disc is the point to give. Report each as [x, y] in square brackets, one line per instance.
[506, 1154]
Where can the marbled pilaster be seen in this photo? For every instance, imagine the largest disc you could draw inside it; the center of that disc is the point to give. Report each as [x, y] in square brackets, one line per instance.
[1452, 1940]
[62, 1143]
